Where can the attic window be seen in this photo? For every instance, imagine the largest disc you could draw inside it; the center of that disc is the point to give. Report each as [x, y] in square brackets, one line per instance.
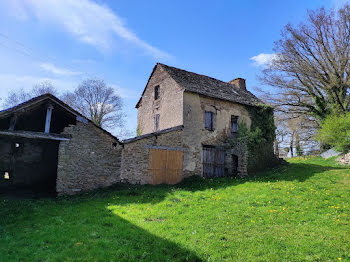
[156, 92]
[114, 144]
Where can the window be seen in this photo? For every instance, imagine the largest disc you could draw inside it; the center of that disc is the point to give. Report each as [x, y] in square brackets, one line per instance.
[6, 175]
[156, 122]
[234, 124]
[156, 92]
[209, 120]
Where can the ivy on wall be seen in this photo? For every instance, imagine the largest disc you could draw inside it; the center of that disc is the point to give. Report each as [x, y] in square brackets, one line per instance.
[259, 137]
[262, 127]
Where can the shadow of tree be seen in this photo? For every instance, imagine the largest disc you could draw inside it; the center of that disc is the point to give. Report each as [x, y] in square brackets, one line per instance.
[292, 172]
[81, 229]
[129, 194]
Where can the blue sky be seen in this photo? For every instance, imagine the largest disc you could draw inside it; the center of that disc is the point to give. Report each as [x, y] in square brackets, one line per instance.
[65, 41]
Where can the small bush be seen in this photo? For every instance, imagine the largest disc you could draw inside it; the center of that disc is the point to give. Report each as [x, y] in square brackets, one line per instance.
[335, 131]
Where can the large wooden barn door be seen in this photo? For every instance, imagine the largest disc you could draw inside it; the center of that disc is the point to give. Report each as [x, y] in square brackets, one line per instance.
[165, 166]
[213, 162]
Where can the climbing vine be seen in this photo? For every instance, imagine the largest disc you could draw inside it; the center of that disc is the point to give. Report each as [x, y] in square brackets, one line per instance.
[259, 137]
[262, 129]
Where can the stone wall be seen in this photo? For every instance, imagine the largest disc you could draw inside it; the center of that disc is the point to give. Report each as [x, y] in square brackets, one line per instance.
[91, 159]
[168, 106]
[135, 155]
[195, 135]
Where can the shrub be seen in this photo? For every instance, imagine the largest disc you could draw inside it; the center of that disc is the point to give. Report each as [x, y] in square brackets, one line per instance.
[335, 131]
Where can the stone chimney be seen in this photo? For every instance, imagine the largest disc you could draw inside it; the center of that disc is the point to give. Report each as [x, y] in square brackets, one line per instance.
[239, 83]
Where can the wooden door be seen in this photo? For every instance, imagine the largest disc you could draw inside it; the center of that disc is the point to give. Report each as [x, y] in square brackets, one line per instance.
[234, 165]
[165, 166]
[213, 162]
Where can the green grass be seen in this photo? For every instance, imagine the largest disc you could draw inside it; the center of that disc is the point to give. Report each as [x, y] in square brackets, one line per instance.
[299, 212]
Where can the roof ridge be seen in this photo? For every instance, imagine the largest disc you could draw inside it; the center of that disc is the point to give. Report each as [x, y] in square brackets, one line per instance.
[210, 86]
[196, 74]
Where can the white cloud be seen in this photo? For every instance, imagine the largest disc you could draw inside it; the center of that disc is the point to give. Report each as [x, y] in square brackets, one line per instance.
[57, 70]
[90, 22]
[263, 59]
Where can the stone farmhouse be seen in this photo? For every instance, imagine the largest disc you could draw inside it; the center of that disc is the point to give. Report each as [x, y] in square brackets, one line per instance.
[187, 125]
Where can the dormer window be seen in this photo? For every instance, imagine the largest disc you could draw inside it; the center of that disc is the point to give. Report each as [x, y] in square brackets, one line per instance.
[156, 92]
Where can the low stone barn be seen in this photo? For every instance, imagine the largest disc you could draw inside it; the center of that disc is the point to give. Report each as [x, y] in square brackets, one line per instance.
[188, 125]
[47, 146]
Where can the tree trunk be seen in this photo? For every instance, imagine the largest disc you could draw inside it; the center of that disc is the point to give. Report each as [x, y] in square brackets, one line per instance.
[277, 152]
[291, 145]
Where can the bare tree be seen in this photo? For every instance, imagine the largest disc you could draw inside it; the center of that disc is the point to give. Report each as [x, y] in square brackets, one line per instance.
[98, 102]
[18, 96]
[44, 87]
[310, 74]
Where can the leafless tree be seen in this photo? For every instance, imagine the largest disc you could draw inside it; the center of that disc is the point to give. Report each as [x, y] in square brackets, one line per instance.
[44, 87]
[18, 96]
[310, 74]
[98, 102]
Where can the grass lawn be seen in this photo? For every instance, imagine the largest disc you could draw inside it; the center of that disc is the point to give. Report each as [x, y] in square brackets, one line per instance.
[300, 212]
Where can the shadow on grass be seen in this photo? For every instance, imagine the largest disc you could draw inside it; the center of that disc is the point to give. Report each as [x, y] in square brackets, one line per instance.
[79, 229]
[292, 172]
[83, 227]
[129, 194]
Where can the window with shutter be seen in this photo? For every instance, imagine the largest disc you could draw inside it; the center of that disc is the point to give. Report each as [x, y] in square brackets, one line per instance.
[209, 120]
[234, 124]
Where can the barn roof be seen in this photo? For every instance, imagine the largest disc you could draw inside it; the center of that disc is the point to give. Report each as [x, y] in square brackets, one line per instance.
[208, 86]
[31, 103]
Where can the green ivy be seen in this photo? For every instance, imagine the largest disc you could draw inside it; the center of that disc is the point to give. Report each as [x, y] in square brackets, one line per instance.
[259, 137]
[263, 119]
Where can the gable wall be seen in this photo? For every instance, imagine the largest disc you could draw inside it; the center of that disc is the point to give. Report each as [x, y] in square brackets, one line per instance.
[169, 105]
[88, 160]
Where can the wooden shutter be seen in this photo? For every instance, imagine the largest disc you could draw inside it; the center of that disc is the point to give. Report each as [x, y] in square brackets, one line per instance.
[209, 120]
[234, 124]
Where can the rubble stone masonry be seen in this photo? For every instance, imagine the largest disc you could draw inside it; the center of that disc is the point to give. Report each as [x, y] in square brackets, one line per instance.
[135, 155]
[91, 159]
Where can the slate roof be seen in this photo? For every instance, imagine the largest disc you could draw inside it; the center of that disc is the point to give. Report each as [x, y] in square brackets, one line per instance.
[164, 131]
[208, 86]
